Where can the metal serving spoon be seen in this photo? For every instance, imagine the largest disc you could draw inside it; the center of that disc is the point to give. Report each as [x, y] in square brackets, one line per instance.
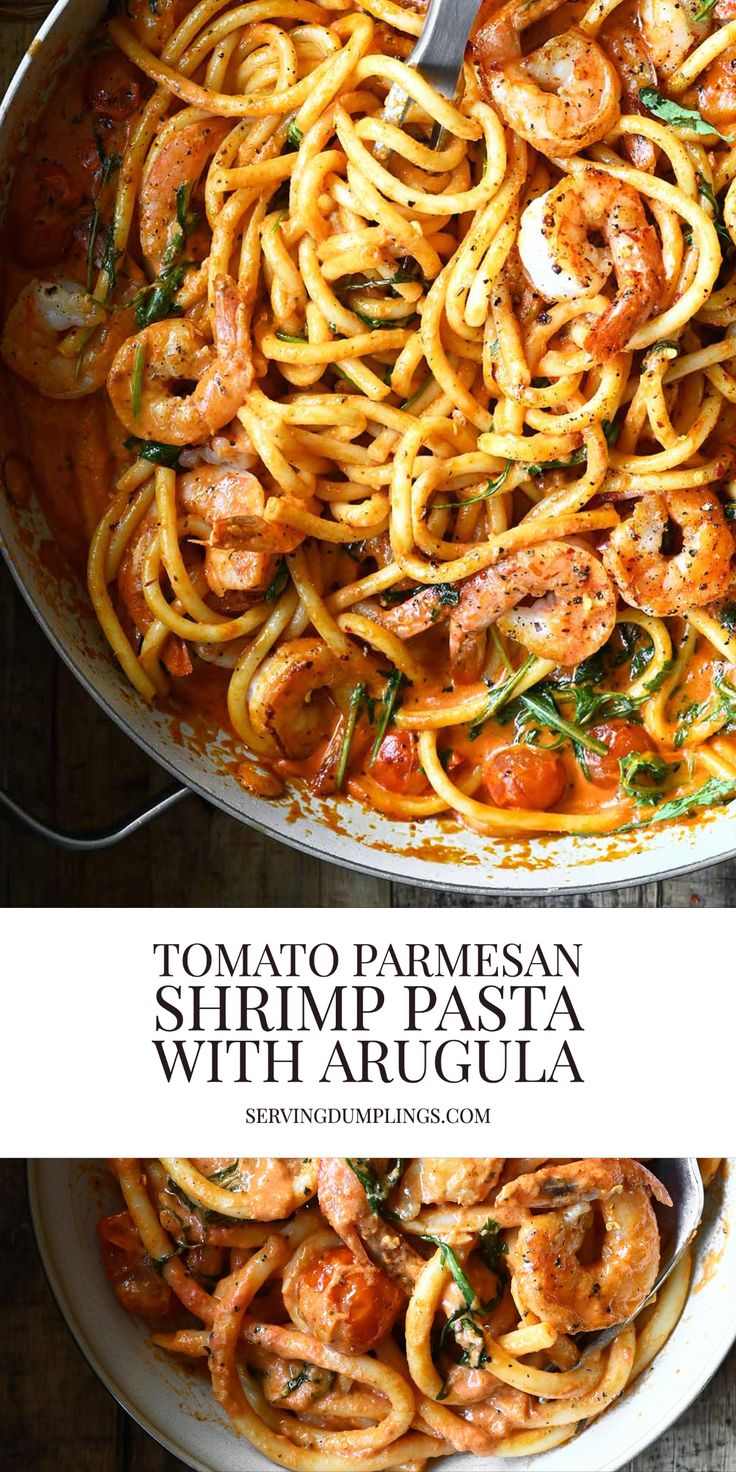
[438, 54]
[684, 1182]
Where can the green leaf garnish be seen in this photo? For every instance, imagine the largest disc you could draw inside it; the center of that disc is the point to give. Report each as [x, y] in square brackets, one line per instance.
[679, 117]
[708, 195]
[294, 135]
[136, 381]
[278, 582]
[541, 704]
[450, 1260]
[377, 1191]
[388, 705]
[492, 487]
[154, 450]
[499, 695]
[357, 702]
[492, 1245]
[647, 765]
[713, 792]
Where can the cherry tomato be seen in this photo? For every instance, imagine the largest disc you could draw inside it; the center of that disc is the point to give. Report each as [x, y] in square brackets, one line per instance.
[621, 737]
[348, 1304]
[134, 1279]
[397, 765]
[41, 211]
[524, 777]
[113, 87]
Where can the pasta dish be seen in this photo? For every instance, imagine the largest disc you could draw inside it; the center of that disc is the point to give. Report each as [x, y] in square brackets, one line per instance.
[399, 439]
[385, 1313]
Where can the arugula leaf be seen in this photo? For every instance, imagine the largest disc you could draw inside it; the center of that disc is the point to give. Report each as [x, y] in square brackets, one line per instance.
[707, 193]
[388, 702]
[136, 380]
[716, 790]
[541, 704]
[278, 582]
[154, 450]
[308, 1375]
[680, 117]
[450, 1260]
[704, 11]
[492, 1245]
[727, 618]
[156, 301]
[499, 695]
[185, 223]
[357, 702]
[491, 488]
[377, 1191]
[227, 1176]
[639, 764]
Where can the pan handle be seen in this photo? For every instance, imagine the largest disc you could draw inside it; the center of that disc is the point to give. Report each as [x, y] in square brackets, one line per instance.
[97, 838]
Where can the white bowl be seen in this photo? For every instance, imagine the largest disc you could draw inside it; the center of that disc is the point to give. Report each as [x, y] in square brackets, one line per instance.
[446, 857]
[178, 1408]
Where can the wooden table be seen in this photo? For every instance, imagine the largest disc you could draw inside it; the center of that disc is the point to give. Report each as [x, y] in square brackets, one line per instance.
[67, 762]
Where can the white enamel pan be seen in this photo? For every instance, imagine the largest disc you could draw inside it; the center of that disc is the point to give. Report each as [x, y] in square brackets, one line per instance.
[440, 856]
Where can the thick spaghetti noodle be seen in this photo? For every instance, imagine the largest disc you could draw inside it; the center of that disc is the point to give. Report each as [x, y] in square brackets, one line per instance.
[383, 1314]
[414, 437]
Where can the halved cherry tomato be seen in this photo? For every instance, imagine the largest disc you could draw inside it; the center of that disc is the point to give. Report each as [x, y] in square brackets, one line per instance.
[524, 777]
[621, 738]
[41, 209]
[397, 765]
[349, 1305]
[132, 1276]
[113, 87]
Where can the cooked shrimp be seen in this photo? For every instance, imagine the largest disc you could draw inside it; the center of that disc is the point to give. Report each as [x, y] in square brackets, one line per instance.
[624, 44]
[430, 1181]
[42, 314]
[717, 91]
[575, 1298]
[573, 613]
[660, 582]
[560, 98]
[562, 261]
[178, 162]
[293, 690]
[670, 31]
[579, 1181]
[175, 351]
[243, 548]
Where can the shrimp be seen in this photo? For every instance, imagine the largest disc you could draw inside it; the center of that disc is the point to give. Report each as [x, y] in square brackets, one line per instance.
[177, 164]
[45, 311]
[551, 1280]
[660, 582]
[243, 547]
[430, 1181]
[561, 98]
[717, 91]
[624, 44]
[294, 690]
[579, 1181]
[572, 616]
[561, 260]
[174, 351]
[670, 31]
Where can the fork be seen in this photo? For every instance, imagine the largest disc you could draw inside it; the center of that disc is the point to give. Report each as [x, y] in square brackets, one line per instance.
[438, 54]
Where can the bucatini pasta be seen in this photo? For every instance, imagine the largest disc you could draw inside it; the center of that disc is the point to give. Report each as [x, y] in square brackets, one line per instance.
[404, 446]
[381, 1314]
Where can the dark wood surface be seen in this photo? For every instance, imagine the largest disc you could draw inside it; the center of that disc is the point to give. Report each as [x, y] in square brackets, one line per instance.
[56, 1417]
